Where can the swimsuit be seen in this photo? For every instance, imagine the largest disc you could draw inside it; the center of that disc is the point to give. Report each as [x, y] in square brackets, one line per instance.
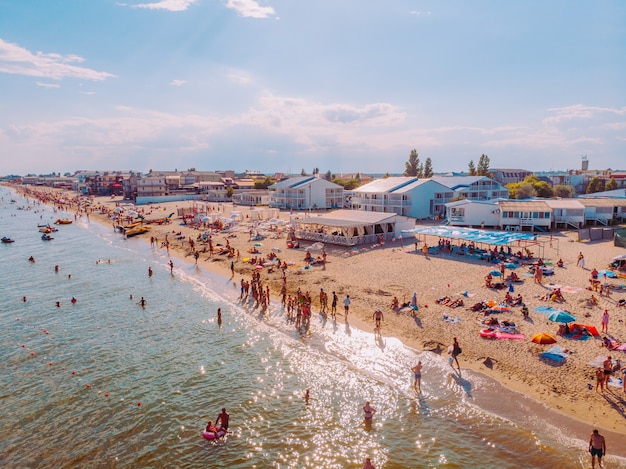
[418, 376]
[596, 452]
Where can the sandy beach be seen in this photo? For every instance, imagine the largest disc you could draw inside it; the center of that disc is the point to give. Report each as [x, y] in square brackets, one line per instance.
[373, 275]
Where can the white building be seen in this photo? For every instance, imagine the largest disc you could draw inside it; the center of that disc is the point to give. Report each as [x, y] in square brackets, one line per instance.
[512, 215]
[352, 227]
[566, 213]
[407, 196]
[304, 193]
[472, 213]
[473, 187]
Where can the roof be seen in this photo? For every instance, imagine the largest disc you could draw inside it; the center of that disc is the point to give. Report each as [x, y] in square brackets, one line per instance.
[346, 218]
[457, 182]
[389, 184]
[457, 203]
[599, 202]
[292, 182]
[564, 203]
[478, 236]
[524, 205]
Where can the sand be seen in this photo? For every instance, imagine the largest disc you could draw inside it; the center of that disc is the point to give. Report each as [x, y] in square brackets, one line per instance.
[373, 275]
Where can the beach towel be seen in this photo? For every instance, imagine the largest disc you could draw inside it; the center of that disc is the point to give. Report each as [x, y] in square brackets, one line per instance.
[555, 353]
[452, 319]
[547, 309]
[608, 273]
[598, 362]
[568, 289]
[616, 382]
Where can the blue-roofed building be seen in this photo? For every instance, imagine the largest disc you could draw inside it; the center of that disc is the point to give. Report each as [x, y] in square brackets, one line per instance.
[305, 193]
[407, 196]
[474, 187]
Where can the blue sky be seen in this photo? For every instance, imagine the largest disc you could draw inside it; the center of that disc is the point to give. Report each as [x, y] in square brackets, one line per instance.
[282, 85]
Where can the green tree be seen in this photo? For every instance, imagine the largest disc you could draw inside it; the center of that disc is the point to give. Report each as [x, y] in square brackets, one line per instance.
[525, 191]
[565, 191]
[316, 171]
[263, 184]
[428, 168]
[595, 185]
[412, 166]
[347, 184]
[328, 176]
[229, 192]
[387, 175]
[483, 166]
[303, 172]
[611, 185]
[540, 188]
[471, 169]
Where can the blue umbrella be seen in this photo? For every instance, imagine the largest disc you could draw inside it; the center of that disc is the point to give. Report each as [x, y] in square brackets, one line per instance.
[496, 273]
[561, 316]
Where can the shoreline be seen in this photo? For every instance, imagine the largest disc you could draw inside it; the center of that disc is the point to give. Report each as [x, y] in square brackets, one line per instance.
[572, 411]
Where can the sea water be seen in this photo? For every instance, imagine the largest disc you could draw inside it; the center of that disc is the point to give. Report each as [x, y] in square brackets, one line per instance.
[107, 383]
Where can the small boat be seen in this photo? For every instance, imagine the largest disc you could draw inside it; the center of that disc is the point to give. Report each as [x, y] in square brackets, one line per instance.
[48, 229]
[7, 240]
[46, 237]
[64, 221]
[137, 231]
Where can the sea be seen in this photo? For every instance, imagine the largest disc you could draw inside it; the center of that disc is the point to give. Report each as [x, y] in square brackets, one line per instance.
[105, 382]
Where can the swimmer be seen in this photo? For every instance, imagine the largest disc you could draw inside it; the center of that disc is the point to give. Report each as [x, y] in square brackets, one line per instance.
[74, 300]
[368, 412]
[142, 302]
[24, 299]
[58, 304]
[149, 272]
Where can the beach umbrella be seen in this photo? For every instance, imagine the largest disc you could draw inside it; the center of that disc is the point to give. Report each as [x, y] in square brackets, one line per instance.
[561, 316]
[543, 338]
[205, 219]
[496, 273]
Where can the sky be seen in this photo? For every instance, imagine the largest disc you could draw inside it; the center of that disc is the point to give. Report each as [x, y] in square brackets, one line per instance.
[286, 85]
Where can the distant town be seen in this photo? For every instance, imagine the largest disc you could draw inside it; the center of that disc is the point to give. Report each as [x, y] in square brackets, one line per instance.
[504, 198]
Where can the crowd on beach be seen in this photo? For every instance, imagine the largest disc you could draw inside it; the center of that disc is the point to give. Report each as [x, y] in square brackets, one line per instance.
[275, 270]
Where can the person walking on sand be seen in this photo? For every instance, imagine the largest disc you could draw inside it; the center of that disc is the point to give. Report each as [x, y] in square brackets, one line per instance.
[368, 412]
[597, 447]
[455, 350]
[417, 376]
[378, 316]
[333, 306]
[608, 370]
[605, 321]
[581, 260]
[346, 306]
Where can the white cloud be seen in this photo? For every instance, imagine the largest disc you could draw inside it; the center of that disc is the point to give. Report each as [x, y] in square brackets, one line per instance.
[89, 93]
[48, 85]
[580, 111]
[178, 82]
[16, 60]
[170, 5]
[250, 8]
